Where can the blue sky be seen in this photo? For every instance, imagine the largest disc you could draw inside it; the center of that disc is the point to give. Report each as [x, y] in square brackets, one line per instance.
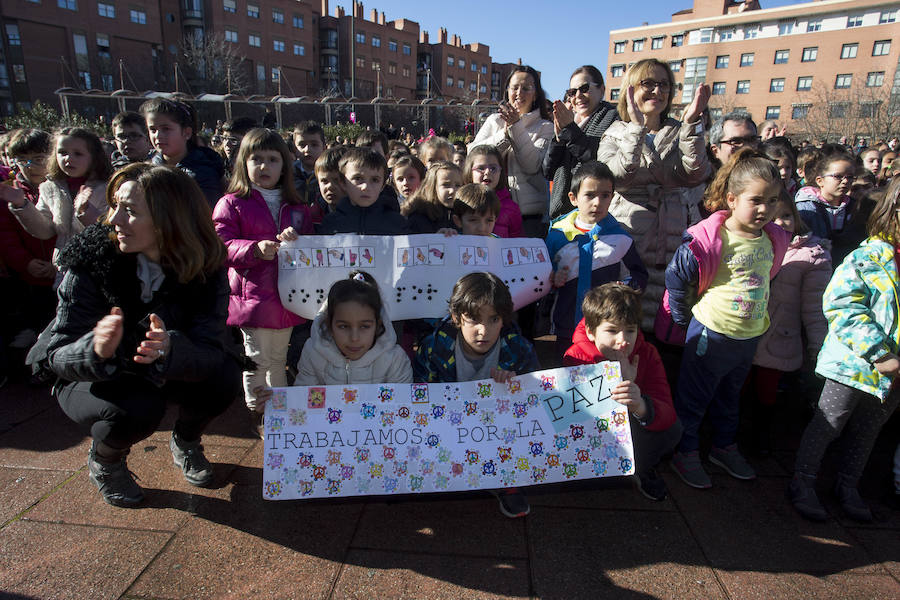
[554, 36]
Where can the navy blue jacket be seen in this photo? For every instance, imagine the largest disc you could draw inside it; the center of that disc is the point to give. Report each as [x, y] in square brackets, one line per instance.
[205, 167]
[378, 219]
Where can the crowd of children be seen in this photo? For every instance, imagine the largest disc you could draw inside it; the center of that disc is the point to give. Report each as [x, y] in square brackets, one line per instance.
[749, 294]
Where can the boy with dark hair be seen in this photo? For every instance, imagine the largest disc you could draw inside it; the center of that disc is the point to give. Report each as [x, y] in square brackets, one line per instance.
[610, 330]
[375, 140]
[132, 140]
[364, 210]
[588, 247]
[309, 141]
[233, 133]
[475, 210]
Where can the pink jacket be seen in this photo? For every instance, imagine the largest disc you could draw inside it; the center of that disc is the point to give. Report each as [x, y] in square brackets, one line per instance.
[795, 303]
[509, 221]
[241, 223]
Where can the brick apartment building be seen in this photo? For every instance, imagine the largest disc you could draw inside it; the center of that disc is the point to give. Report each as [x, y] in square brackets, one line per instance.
[292, 47]
[776, 63]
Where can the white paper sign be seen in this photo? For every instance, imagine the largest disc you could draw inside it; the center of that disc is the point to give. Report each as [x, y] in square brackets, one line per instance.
[353, 440]
[415, 273]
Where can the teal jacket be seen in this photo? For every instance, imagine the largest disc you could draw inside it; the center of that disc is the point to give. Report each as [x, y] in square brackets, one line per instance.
[862, 305]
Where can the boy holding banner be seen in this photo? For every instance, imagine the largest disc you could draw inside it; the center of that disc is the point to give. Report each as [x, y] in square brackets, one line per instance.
[610, 330]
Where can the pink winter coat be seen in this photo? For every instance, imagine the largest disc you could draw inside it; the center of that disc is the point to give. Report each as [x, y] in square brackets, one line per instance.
[241, 223]
[795, 305]
[509, 221]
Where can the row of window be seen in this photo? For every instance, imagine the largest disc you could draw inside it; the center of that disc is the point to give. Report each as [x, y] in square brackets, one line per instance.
[230, 6]
[376, 43]
[461, 84]
[256, 41]
[108, 10]
[461, 63]
[842, 81]
[376, 66]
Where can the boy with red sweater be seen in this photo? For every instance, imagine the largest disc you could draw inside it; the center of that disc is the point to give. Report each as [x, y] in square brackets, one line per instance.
[610, 330]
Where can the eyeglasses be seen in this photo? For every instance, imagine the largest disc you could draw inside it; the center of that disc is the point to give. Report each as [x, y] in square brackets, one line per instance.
[26, 163]
[490, 169]
[840, 177]
[231, 141]
[739, 142]
[525, 89]
[651, 84]
[584, 88]
[129, 137]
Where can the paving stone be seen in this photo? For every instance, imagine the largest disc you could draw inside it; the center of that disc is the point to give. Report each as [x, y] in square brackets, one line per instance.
[599, 553]
[404, 576]
[883, 546]
[170, 500]
[49, 440]
[610, 493]
[231, 428]
[22, 402]
[21, 488]
[742, 585]
[49, 560]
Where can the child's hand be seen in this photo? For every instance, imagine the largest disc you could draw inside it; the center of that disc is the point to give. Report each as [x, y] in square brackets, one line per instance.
[448, 231]
[888, 365]
[501, 376]
[628, 394]
[560, 277]
[14, 196]
[262, 395]
[288, 235]
[266, 249]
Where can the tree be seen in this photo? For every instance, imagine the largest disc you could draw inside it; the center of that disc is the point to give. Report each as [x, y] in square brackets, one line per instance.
[859, 110]
[215, 63]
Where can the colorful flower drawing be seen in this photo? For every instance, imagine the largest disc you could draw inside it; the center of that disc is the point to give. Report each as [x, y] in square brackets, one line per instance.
[276, 423]
[273, 489]
[275, 461]
[297, 416]
[350, 395]
[334, 457]
[484, 390]
[316, 398]
[334, 416]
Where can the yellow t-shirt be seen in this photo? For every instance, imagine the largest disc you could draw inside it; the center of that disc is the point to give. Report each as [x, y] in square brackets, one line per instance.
[737, 300]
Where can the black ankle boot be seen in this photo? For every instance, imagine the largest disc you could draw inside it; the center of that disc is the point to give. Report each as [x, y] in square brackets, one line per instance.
[109, 472]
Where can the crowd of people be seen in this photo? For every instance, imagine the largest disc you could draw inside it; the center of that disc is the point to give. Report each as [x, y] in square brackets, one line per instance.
[710, 258]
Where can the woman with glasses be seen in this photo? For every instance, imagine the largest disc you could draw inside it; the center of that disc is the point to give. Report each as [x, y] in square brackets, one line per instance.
[521, 130]
[578, 123]
[656, 160]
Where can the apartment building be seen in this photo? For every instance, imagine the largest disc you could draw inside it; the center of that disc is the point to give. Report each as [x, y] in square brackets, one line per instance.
[457, 71]
[776, 63]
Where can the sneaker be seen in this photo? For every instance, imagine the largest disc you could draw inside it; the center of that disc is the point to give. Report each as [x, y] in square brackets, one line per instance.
[190, 459]
[687, 466]
[513, 503]
[651, 485]
[851, 502]
[802, 494]
[731, 460]
[115, 482]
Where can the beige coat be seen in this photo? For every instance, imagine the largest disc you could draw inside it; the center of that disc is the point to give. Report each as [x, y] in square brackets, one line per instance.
[658, 191]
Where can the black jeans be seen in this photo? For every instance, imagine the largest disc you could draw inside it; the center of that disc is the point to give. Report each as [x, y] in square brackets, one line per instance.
[651, 446]
[125, 411]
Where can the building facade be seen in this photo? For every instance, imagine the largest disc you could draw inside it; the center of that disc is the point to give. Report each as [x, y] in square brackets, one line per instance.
[806, 63]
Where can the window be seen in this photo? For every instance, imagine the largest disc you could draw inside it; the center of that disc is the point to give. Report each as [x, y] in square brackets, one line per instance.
[360, 37]
[656, 43]
[461, 84]
[854, 21]
[298, 22]
[85, 77]
[614, 94]
[472, 86]
[718, 88]
[107, 82]
[722, 61]
[450, 81]
[815, 25]
[782, 56]
[677, 40]
[276, 74]
[392, 68]
[743, 86]
[776, 85]
[695, 67]
[751, 32]
[12, 35]
[361, 62]
[461, 63]
[406, 71]
[68, 5]
[838, 110]
[843, 81]
[376, 41]
[849, 50]
[254, 40]
[786, 28]
[705, 35]
[875, 79]
[451, 61]
[103, 45]
[687, 91]
[277, 17]
[253, 11]
[407, 49]
[773, 112]
[726, 35]
[484, 69]
[392, 45]
[804, 84]
[474, 67]
[138, 16]
[261, 72]
[810, 54]
[868, 110]
[675, 65]
[618, 47]
[617, 71]
[231, 35]
[278, 45]
[887, 16]
[299, 50]
[881, 48]
[106, 10]
[79, 42]
[229, 6]
[637, 45]
[747, 59]
[799, 111]
[482, 89]
[19, 73]
[715, 113]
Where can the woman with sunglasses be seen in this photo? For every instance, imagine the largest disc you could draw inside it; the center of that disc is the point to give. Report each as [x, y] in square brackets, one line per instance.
[656, 160]
[521, 130]
[579, 123]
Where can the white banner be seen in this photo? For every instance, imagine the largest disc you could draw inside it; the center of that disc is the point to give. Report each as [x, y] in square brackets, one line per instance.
[415, 273]
[354, 440]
